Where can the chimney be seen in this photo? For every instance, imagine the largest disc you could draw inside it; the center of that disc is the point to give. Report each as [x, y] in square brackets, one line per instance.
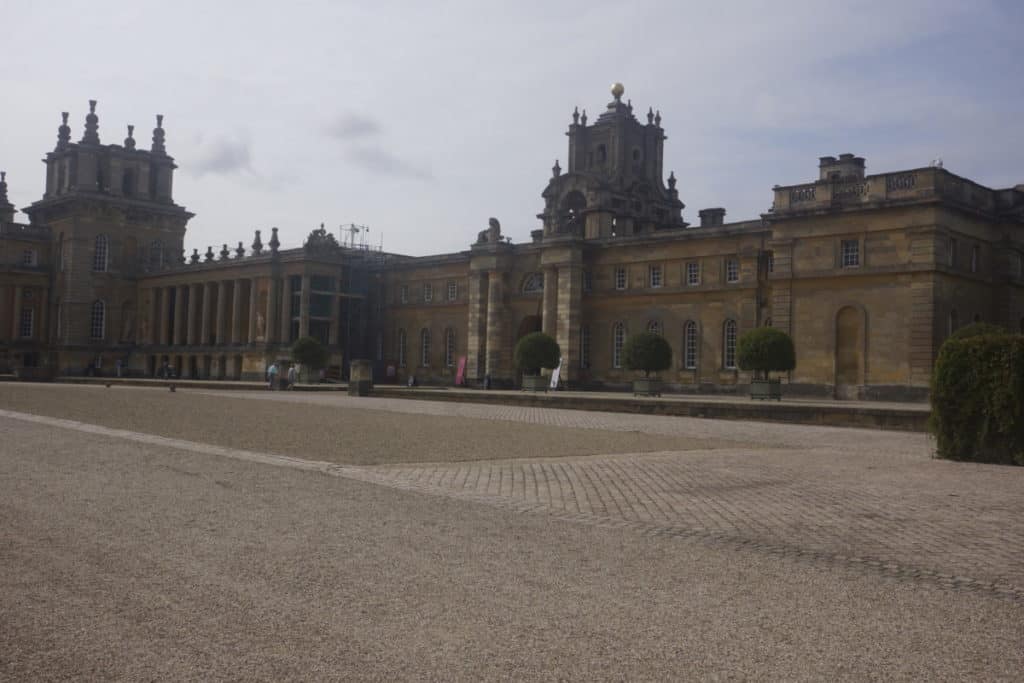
[710, 218]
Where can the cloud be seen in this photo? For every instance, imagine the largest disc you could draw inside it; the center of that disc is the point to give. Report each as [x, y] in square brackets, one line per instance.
[352, 126]
[222, 157]
[378, 160]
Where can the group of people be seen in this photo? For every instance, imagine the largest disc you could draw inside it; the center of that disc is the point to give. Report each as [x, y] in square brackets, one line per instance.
[277, 380]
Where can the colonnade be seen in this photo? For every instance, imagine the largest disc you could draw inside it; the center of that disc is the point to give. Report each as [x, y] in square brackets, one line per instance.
[215, 313]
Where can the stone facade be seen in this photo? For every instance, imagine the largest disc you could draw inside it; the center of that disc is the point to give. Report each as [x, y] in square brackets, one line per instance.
[868, 273]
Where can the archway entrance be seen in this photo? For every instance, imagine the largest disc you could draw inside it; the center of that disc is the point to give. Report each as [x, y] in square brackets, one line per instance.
[849, 360]
[530, 323]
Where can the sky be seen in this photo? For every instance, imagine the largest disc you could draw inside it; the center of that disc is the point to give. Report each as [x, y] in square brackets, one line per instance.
[422, 120]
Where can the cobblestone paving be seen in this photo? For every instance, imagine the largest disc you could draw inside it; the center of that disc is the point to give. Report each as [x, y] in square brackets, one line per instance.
[853, 497]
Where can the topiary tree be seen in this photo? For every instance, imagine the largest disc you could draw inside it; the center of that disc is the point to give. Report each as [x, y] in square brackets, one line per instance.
[765, 349]
[535, 351]
[309, 352]
[977, 330]
[647, 352]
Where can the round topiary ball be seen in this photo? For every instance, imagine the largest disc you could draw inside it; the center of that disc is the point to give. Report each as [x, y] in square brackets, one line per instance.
[535, 351]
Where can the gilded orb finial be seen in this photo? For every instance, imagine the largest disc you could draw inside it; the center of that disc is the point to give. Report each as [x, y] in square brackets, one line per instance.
[617, 90]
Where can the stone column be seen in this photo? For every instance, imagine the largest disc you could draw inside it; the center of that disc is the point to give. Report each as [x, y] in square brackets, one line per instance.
[476, 331]
[194, 313]
[273, 324]
[550, 311]
[16, 314]
[286, 312]
[253, 297]
[304, 308]
[179, 315]
[154, 316]
[236, 313]
[495, 366]
[165, 317]
[220, 322]
[207, 315]
[570, 299]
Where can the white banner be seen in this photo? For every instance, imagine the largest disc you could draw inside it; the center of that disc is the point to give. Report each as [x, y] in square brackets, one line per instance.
[554, 375]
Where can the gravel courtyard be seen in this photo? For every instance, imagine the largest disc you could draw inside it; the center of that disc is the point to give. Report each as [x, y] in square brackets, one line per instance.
[287, 536]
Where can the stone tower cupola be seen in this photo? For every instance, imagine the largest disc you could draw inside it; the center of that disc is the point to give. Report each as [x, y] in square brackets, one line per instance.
[614, 181]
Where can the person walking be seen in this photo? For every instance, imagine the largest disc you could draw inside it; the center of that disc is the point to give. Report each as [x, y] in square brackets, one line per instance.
[291, 376]
[272, 376]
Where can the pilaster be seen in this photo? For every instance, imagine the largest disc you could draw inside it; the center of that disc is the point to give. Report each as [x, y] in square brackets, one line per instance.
[220, 322]
[236, 312]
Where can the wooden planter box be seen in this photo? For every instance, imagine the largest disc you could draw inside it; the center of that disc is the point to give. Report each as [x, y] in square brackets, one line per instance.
[647, 387]
[535, 383]
[762, 389]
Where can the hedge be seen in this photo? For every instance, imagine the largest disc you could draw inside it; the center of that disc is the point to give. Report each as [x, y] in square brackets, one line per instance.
[647, 352]
[977, 398]
[977, 330]
[764, 350]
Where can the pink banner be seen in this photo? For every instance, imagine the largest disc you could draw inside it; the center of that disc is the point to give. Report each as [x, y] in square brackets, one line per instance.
[460, 374]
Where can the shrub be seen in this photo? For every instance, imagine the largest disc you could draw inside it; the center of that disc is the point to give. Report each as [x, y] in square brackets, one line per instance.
[535, 351]
[977, 330]
[977, 398]
[309, 352]
[647, 352]
[764, 350]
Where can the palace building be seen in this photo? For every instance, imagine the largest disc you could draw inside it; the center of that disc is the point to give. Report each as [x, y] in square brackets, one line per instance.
[868, 273]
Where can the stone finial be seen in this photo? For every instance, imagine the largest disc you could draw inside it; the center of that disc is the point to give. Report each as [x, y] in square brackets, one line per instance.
[240, 250]
[575, 116]
[274, 242]
[129, 142]
[629, 106]
[64, 131]
[195, 256]
[657, 118]
[158, 136]
[583, 118]
[224, 253]
[209, 254]
[257, 245]
[91, 135]
[650, 116]
[672, 180]
[617, 90]
[556, 170]
[3, 185]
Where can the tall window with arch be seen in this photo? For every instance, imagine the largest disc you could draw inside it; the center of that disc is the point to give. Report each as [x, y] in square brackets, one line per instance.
[729, 345]
[618, 339]
[425, 348]
[584, 347]
[654, 327]
[449, 347]
[100, 253]
[26, 326]
[401, 348]
[98, 320]
[690, 345]
[954, 322]
[156, 254]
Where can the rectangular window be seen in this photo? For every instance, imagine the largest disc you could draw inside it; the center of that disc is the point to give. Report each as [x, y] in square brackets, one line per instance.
[655, 276]
[690, 345]
[732, 270]
[453, 291]
[28, 258]
[322, 283]
[428, 293]
[951, 253]
[588, 281]
[974, 259]
[771, 262]
[729, 359]
[850, 250]
[692, 274]
[403, 294]
[27, 322]
[584, 347]
[620, 278]
[321, 305]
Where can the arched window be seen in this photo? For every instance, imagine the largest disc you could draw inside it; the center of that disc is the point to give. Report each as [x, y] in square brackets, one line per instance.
[401, 348]
[584, 347]
[449, 347]
[156, 254]
[425, 347]
[534, 282]
[618, 339]
[27, 324]
[99, 254]
[729, 345]
[690, 345]
[654, 327]
[954, 322]
[98, 320]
